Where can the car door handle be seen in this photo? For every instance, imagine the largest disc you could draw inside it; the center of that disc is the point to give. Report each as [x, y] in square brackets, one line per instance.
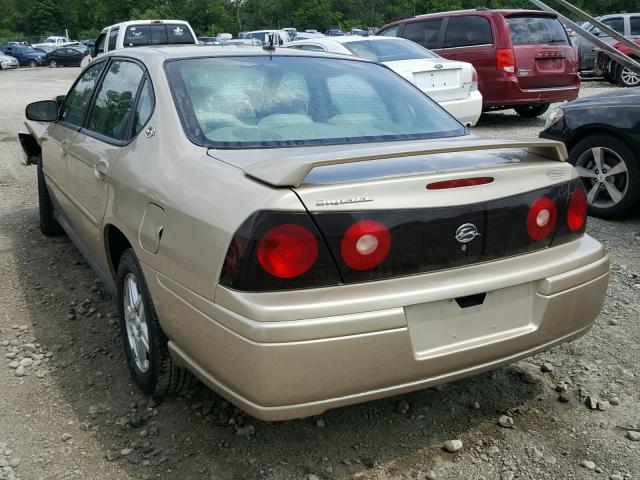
[100, 171]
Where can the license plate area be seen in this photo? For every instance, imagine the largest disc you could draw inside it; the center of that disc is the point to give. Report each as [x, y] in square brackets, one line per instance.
[446, 326]
[550, 64]
[437, 80]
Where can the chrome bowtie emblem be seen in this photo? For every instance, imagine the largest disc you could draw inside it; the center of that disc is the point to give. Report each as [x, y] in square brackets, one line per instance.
[438, 66]
[465, 233]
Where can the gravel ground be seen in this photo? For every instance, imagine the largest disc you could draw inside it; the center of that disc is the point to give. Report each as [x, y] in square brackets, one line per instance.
[68, 409]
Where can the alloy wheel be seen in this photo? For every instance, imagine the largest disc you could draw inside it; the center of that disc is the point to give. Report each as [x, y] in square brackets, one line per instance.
[629, 78]
[136, 323]
[53, 63]
[605, 176]
[32, 63]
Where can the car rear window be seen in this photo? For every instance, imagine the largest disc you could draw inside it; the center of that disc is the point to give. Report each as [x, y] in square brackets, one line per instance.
[160, 34]
[536, 30]
[279, 101]
[387, 50]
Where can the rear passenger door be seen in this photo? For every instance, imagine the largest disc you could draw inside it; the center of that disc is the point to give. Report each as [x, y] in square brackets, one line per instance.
[469, 38]
[428, 33]
[96, 146]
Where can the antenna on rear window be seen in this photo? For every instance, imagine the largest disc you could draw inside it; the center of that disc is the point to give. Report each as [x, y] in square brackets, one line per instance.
[270, 42]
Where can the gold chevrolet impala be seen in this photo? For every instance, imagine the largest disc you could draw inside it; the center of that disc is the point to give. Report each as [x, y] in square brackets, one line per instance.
[302, 231]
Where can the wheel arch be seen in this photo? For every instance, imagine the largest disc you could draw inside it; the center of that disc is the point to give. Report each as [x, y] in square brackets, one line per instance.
[587, 131]
[116, 243]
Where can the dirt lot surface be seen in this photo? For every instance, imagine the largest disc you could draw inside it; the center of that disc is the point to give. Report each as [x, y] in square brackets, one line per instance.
[74, 413]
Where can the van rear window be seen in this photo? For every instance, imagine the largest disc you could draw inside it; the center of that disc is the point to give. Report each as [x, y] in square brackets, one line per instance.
[161, 34]
[536, 30]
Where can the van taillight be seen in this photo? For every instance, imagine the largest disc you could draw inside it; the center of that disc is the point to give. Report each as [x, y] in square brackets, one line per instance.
[506, 60]
[541, 218]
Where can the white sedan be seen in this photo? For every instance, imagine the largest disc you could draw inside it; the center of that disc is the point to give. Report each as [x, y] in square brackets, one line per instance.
[454, 85]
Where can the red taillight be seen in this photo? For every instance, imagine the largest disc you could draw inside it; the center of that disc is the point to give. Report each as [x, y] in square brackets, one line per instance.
[365, 244]
[506, 60]
[541, 218]
[577, 210]
[287, 251]
[461, 182]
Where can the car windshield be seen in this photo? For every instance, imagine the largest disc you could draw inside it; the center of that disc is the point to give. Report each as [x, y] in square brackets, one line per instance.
[274, 101]
[27, 50]
[533, 30]
[388, 50]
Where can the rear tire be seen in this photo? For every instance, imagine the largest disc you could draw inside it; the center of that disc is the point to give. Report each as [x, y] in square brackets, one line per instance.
[614, 155]
[531, 111]
[49, 226]
[627, 78]
[144, 342]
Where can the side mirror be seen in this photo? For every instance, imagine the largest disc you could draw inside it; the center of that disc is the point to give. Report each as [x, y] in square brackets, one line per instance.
[43, 111]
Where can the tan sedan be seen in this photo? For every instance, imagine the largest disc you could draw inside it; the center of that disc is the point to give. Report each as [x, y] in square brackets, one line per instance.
[303, 231]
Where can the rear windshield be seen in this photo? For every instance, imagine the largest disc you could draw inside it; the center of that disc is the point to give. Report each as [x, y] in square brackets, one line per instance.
[262, 101]
[533, 30]
[388, 50]
[160, 34]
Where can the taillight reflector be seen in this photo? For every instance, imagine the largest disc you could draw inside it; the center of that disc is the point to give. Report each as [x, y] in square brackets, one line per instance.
[541, 218]
[365, 244]
[287, 251]
[577, 210]
[461, 182]
[506, 60]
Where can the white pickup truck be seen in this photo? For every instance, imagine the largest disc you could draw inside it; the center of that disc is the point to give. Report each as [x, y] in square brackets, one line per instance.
[56, 42]
[139, 33]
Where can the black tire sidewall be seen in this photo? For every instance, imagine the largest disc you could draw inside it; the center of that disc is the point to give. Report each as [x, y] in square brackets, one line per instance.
[632, 197]
[146, 381]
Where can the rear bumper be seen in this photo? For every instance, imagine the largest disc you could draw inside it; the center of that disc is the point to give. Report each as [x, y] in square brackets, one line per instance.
[511, 93]
[295, 354]
[467, 110]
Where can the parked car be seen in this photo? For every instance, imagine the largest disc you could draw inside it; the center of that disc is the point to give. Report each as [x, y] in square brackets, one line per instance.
[358, 242]
[524, 58]
[138, 33]
[89, 42]
[7, 62]
[25, 55]
[602, 134]
[454, 85]
[55, 41]
[613, 71]
[261, 35]
[627, 24]
[65, 57]
[334, 32]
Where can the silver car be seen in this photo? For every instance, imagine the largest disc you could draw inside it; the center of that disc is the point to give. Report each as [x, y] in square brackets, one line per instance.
[8, 62]
[303, 231]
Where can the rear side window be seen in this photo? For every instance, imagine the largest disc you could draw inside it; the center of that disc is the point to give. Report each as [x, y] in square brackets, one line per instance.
[466, 31]
[114, 102]
[100, 43]
[160, 34]
[425, 33]
[635, 25]
[144, 108]
[113, 37]
[77, 100]
[616, 24]
[391, 32]
[536, 30]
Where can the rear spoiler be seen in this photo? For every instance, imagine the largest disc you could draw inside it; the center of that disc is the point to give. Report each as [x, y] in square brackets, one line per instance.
[291, 171]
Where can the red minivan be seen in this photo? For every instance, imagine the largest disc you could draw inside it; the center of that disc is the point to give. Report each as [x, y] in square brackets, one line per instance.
[524, 58]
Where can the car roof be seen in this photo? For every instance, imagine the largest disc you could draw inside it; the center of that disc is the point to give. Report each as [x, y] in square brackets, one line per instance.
[501, 11]
[146, 22]
[170, 52]
[350, 38]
